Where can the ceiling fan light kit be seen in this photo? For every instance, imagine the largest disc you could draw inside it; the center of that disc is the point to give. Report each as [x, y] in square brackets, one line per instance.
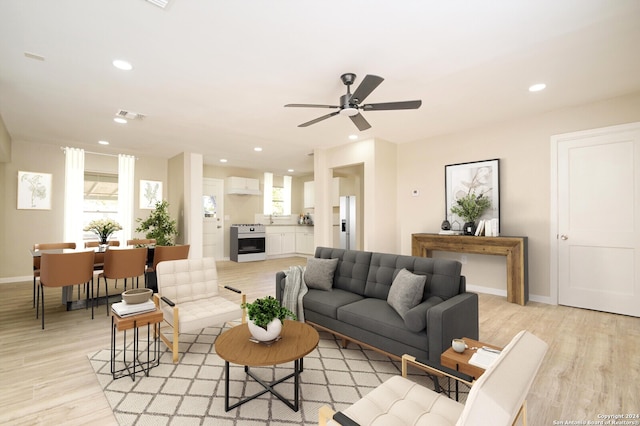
[350, 104]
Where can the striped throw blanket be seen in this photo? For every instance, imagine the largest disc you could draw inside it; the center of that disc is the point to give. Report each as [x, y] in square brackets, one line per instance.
[294, 289]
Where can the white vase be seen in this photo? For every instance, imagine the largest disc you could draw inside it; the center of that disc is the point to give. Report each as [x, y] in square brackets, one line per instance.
[271, 333]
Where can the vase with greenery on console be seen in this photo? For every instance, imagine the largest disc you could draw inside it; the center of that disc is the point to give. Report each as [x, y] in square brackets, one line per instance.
[103, 228]
[470, 208]
[159, 225]
[265, 318]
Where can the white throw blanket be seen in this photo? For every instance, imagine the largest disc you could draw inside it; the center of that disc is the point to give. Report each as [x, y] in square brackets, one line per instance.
[294, 290]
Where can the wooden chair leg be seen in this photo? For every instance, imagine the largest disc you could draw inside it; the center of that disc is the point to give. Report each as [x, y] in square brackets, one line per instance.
[522, 412]
[176, 340]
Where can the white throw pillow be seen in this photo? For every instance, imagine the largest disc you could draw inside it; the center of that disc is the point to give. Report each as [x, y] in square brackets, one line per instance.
[406, 291]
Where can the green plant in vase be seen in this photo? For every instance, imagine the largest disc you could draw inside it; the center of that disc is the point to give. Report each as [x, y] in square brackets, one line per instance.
[265, 318]
[159, 225]
[470, 208]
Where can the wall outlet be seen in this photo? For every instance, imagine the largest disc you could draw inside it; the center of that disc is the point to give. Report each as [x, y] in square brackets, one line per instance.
[463, 259]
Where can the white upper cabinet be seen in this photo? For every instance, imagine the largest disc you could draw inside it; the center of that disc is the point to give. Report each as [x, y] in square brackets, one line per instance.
[242, 186]
[309, 195]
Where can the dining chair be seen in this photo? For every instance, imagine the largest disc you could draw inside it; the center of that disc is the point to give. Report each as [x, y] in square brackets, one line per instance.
[98, 263]
[64, 269]
[161, 254]
[141, 242]
[122, 264]
[36, 260]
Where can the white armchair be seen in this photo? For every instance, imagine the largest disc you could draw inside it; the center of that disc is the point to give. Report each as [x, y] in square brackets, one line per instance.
[498, 397]
[189, 298]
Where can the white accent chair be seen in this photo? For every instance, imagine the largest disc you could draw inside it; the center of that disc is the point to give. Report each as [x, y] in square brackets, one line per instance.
[189, 298]
[497, 398]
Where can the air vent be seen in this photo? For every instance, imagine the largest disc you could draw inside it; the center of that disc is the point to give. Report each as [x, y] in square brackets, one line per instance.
[160, 3]
[130, 115]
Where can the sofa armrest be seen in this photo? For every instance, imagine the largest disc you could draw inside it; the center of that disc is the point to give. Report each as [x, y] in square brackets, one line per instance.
[452, 319]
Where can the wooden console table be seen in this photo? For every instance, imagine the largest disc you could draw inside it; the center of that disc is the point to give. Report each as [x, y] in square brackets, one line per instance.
[514, 248]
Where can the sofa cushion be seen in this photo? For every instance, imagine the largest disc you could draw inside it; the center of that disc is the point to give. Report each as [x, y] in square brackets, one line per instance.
[319, 273]
[378, 317]
[352, 270]
[416, 318]
[406, 291]
[328, 302]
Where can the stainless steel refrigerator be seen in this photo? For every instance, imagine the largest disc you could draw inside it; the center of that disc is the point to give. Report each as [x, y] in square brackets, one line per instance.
[348, 222]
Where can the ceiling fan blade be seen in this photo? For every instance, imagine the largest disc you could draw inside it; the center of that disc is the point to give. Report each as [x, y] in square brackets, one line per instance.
[367, 86]
[324, 117]
[311, 106]
[360, 122]
[392, 105]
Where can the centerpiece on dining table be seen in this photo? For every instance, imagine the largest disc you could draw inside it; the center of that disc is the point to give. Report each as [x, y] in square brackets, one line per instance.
[103, 228]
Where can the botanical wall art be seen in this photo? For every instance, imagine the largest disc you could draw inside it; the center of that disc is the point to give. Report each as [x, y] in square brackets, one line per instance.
[466, 183]
[34, 190]
[150, 193]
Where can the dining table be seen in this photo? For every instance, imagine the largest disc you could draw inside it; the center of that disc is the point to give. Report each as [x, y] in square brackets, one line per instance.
[67, 298]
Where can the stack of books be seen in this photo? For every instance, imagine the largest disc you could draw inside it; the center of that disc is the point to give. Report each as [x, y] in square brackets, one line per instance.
[484, 357]
[123, 309]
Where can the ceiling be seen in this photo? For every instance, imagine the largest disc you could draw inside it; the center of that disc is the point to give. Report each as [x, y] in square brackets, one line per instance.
[213, 76]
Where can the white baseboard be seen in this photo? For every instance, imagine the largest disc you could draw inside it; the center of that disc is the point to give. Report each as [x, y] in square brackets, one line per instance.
[499, 292]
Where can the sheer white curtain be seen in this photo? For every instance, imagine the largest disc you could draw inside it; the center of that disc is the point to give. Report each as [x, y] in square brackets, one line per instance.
[286, 194]
[268, 193]
[126, 168]
[73, 195]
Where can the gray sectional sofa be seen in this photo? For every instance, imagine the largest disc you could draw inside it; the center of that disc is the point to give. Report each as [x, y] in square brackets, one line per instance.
[357, 306]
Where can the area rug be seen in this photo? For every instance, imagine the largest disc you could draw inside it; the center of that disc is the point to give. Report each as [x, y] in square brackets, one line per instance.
[191, 392]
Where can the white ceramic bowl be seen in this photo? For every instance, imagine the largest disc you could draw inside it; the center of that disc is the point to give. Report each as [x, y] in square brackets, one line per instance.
[136, 295]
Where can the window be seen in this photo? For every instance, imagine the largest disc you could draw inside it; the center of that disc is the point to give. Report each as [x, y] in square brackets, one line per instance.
[277, 199]
[100, 200]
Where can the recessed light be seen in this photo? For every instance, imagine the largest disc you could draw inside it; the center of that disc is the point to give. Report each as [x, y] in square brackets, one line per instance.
[290, 170]
[257, 149]
[122, 65]
[120, 120]
[223, 160]
[103, 142]
[353, 137]
[537, 87]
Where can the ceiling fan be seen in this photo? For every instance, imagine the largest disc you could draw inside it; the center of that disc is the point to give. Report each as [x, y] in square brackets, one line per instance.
[350, 103]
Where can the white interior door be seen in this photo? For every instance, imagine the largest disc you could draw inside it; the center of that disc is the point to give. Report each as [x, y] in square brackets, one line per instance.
[598, 235]
[213, 227]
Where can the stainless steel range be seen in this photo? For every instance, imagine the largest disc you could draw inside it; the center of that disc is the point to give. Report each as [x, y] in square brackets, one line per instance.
[248, 242]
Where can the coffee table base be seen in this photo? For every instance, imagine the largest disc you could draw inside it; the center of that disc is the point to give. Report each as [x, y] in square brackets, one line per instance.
[268, 387]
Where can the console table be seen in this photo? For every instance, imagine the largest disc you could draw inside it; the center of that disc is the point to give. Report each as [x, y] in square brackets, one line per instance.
[514, 248]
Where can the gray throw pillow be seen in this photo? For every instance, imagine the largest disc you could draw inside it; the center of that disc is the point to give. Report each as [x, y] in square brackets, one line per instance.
[406, 291]
[319, 273]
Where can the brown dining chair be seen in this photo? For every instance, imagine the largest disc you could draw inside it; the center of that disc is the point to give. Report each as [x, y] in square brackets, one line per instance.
[162, 253]
[64, 269]
[122, 264]
[36, 260]
[99, 260]
[141, 242]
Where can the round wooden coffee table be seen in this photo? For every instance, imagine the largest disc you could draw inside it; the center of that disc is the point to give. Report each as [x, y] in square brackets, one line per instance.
[297, 340]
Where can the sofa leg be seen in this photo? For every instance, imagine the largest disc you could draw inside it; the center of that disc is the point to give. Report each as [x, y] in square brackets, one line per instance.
[345, 343]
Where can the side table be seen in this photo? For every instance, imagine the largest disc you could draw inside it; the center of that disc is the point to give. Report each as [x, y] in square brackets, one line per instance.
[460, 361]
[135, 322]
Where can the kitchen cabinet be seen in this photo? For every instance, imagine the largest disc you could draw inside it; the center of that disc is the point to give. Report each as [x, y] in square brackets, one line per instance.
[280, 240]
[305, 240]
[242, 186]
[309, 195]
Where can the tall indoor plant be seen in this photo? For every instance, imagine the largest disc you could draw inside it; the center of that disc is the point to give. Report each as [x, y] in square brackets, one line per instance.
[159, 225]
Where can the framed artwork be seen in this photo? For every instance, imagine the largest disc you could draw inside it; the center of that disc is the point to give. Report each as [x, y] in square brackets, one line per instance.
[34, 191]
[150, 193]
[479, 178]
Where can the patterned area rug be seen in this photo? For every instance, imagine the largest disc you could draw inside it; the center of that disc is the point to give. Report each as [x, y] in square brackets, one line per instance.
[191, 392]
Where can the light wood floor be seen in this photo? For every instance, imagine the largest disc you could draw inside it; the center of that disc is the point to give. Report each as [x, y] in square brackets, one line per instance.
[592, 367]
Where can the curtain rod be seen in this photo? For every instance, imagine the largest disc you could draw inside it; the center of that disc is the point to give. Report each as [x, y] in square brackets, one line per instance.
[96, 153]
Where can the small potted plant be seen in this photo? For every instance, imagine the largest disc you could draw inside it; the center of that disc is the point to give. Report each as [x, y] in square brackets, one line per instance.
[265, 318]
[103, 228]
[159, 225]
[470, 208]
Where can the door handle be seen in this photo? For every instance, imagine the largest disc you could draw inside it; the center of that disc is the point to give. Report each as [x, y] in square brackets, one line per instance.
[564, 237]
[219, 226]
